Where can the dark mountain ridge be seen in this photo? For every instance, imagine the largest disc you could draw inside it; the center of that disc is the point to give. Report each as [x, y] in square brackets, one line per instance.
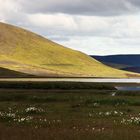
[131, 60]
[128, 62]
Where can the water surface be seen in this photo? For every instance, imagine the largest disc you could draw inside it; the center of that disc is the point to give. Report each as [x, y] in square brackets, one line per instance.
[128, 88]
[94, 80]
[120, 84]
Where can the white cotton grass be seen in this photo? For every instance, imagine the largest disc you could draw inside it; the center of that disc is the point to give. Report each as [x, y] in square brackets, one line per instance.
[34, 110]
[113, 94]
[132, 120]
[107, 113]
[23, 119]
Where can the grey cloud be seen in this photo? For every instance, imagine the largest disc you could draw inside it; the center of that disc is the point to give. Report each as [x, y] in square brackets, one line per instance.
[112, 34]
[135, 2]
[82, 7]
[59, 38]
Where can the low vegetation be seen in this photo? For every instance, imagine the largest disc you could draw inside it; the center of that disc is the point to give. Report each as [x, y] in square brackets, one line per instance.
[55, 85]
[69, 114]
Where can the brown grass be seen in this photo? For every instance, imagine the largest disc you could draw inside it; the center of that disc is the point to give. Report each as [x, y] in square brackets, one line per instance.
[26, 133]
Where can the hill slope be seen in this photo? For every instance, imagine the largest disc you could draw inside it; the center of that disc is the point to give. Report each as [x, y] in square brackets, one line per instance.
[26, 52]
[6, 73]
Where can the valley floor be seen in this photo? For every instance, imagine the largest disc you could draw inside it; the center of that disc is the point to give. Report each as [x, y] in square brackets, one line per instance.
[69, 114]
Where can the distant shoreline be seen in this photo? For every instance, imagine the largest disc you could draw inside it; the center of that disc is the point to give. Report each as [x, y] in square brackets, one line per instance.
[82, 80]
[66, 84]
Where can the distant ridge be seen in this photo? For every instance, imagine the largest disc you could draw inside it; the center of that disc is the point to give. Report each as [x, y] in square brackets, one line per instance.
[26, 52]
[124, 62]
[132, 69]
[132, 60]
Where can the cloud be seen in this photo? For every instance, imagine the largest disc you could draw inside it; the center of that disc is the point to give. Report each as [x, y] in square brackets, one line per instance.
[8, 9]
[82, 7]
[57, 21]
[103, 45]
[69, 25]
[93, 26]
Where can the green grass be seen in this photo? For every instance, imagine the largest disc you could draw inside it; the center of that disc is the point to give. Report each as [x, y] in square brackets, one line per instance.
[27, 52]
[73, 115]
[56, 85]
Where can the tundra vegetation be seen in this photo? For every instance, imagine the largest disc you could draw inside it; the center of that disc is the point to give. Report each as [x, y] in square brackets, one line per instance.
[89, 114]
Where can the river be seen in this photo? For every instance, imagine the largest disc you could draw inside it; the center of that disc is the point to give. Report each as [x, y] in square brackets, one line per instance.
[120, 84]
[94, 80]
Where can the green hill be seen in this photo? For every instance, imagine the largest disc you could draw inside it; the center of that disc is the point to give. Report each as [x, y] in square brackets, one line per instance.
[26, 52]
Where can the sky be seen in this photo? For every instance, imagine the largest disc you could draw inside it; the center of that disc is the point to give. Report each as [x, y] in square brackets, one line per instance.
[95, 27]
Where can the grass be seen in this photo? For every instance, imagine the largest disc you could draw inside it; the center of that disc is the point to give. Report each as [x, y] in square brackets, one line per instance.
[69, 114]
[55, 85]
[27, 52]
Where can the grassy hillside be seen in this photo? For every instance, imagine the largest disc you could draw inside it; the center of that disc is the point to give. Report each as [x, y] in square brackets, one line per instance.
[26, 52]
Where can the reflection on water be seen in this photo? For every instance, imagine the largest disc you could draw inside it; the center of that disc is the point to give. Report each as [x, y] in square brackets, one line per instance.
[130, 88]
[94, 80]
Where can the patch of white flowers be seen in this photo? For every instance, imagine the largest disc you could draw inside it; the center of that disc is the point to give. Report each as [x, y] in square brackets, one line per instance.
[20, 117]
[7, 115]
[107, 113]
[89, 128]
[113, 94]
[111, 113]
[13, 117]
[23, 119]
[132, 120]
[34, 110]
[96, 104]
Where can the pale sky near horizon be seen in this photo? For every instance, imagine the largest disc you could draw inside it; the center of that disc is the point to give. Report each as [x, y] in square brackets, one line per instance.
[97, 27]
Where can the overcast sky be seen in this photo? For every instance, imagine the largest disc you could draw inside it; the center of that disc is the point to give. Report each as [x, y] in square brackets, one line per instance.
[97, 27]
